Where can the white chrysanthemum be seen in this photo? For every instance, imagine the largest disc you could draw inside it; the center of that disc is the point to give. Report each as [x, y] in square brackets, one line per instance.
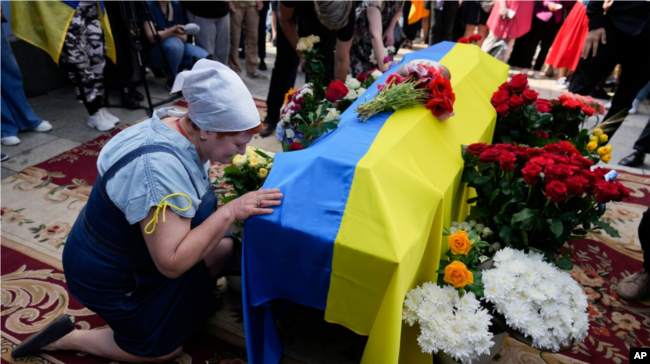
[487, 232]
[479, 228]
[332, 114]
[448, 323]
[464, 226]
[537, 298]
[454, 224]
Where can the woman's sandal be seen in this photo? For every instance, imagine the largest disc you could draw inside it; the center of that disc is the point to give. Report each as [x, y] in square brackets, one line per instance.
[60, 327]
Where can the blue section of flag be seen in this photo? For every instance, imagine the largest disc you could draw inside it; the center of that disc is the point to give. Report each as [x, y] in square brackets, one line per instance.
[288, 254]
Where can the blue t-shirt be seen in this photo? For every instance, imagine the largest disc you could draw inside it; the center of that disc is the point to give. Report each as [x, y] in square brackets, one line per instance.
[159, 18]
[145, 181]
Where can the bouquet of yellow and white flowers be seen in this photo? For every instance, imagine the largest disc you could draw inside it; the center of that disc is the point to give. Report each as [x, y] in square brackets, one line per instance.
[247, 172]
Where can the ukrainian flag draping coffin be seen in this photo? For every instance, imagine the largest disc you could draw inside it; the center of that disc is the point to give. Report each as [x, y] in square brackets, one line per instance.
[362, 215]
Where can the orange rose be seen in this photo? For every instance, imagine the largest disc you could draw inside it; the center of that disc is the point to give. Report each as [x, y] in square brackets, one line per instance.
[459, 243]
[456, 273]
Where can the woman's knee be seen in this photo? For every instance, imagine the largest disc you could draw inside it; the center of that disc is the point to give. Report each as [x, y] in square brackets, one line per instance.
[168, 357]
[173, 45]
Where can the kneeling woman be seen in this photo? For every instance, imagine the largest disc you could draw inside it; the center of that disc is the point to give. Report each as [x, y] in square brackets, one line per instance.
[150, 277]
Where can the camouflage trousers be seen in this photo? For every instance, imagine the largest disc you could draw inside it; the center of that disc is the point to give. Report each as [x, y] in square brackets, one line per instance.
[83, 54]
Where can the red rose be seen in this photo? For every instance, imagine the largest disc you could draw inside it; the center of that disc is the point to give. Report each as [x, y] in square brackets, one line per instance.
[529, 96]
[543, 105]
[587, 110]
[556, 191]
[515, 102]
[542, 134]
[503, 109]
[531, 173]
[489, 155]
[585, 163]
[336, 91]
[576, 185]
[505, 87]
[605, 191]
[362, 77]
[518, 83]
[395, 78]
[439, 105]
[476, 148]
[499, 98]
[571, 104]
[507, 161]
[534, 152]
[623, 192]
[541, 161]
[295, 146]
[557, 172]
[463, 40]
[475, 38]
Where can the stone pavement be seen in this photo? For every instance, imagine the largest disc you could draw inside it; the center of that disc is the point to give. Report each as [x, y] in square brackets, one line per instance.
[68, 118]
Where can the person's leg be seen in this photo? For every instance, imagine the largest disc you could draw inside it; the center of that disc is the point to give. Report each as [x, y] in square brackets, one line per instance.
[222, 40]
[449, 12]
[18, 116]
[549, 31]
[643, 93]
[191, 54]
[436, 27]
[261, 31]
[592, 70]
[174, 49]
[236, 19]
[469, 30]
[95, 45]
[636, 286]
[529, 44]
[217, 259]
[511, 44]
[642, 144]
[206, 38]
[251, 25]
[102, 343]
[483, 32]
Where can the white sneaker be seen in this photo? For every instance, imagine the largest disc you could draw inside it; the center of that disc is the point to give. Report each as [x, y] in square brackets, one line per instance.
[10, 140]
[635, 107]
[536, 75]
[524, 71]
[106, 115]
[608, 105]
[562, 84]
[43, 127]
[96, 121]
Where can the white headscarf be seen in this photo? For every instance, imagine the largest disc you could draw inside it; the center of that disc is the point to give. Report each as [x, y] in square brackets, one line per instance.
[217, 99]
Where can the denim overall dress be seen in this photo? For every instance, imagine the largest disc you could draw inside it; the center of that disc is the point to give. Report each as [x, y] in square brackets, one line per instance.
[109, 269]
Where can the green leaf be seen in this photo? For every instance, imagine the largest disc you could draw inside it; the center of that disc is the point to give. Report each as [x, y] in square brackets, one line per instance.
[481, 180]
[506, 139]
[472, 200]
[557, 228]
[232, 170]
[472, 235]
[494, 194]
[470, 174]
[564, 263]
[481, 244]
[524, 237]
[285, 146]
[477, 287]
[608, 228]
[506, 234]
[523, 215]
[228, 199]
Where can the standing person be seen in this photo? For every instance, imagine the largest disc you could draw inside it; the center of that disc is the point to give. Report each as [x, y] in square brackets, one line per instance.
[411, 29]
[636, 287]
[151, 280]
[214, 19]
[619, 34]
[639, 98]
[442, 20]
[261, 34]
[569, 41]
[333, 22]
[641, 148]
[475, 16]
[246, 14]
[548, 16]
[508, 20]
[17, 115]
[373, 31]
[169, 27]
[83, 58]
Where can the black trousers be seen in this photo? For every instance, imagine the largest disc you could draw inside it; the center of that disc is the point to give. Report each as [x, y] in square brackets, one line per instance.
[644, 238]
[643, 143]
[632, 53]
[123, 69]
[525, 47]
[286, 65]
[442, 25]
[261, 30]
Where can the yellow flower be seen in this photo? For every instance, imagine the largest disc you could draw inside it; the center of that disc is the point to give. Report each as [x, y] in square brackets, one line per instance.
[592, 145]
[239, 160]
[288, 95]
[270, 165]
[602, 151]
[594, 139]
[604, 138]
[459, 243]
[598, 132]
[262, 173]
[608, 148]
[251, 149]
[263, 161]
[606, 158]
[456, 274]
[254, 162]
[251, 154]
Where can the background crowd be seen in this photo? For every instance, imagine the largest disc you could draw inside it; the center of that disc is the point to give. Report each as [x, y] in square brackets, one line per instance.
[590, 47]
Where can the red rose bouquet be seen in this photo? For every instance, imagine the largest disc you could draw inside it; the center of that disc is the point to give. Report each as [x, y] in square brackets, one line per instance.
[538, 198]
[413, 85]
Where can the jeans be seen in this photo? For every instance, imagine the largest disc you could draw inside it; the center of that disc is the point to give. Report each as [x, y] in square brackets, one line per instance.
[179, 55]
[17, 115]
[643, 93]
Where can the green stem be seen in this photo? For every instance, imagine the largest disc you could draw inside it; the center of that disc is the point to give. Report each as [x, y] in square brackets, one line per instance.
[587, 210]
[530, 188]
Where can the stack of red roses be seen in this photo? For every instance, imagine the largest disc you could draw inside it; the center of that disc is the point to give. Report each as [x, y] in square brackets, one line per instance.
[473, 39]
[538, 197]
[512, 95]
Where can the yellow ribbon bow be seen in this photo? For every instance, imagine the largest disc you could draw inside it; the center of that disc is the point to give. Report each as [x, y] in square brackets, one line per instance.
[162, 205]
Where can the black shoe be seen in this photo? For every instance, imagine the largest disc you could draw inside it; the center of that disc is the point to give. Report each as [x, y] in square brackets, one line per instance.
[60, 327]
[270, 128]
[138, 96]
[262, 66]
[275, 43]
[128, 100]
[599, 93]
[632, 160]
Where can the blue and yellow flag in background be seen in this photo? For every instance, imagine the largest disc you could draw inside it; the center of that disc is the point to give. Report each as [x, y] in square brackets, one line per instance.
[362, 215]
[44, 24]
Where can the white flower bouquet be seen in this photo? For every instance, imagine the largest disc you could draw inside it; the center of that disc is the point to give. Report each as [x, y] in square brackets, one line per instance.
[448, 323]
[537, 299]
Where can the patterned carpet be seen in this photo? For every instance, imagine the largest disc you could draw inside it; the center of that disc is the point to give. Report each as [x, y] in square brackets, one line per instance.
[40, 204]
